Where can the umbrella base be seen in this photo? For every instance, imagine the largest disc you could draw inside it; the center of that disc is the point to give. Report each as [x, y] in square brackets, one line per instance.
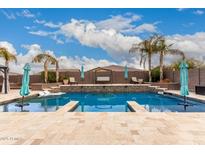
[185, 104]
[22, 105]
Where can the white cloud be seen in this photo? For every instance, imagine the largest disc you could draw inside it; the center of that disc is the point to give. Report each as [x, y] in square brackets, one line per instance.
[151, 28]
[29, 27]
[48, 24]
[53, 35]
[53, 25]
[106, 31]
[114, 43]
[26, 13]
[64, 61]
[118, 22]
[8, 15]
[192, 45]
[39, 21]
[198, 12]
[39, 33]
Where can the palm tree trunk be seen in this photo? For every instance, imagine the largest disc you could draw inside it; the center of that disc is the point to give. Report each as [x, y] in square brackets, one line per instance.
[150, 61]
[57, 72]
[8, 84]
[161, 58]
[6, 63]
[46, 72]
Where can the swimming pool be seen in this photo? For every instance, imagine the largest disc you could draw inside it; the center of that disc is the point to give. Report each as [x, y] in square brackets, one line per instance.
[107, 102]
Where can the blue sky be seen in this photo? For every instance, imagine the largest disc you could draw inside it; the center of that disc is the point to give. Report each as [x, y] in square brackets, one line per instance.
[55, 30]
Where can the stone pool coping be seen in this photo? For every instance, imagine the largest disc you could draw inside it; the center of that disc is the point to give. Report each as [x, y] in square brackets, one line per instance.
[191, 96]
[14, 95]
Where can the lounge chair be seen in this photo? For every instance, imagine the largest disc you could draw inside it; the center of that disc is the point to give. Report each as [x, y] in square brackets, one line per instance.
[140, 81]
[103, 79]
[134, 80]
[72, 80]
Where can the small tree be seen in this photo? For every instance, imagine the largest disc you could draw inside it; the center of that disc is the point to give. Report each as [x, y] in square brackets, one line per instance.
[47, 59]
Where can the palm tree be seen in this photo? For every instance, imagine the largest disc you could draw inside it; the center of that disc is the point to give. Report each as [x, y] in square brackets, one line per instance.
[163, 48]
[7, 56]
[47, 59]
[192, 63]
[146, 49]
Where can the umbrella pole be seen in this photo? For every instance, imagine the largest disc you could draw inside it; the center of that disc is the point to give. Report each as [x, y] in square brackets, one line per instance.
[22, 103]
[185, 103]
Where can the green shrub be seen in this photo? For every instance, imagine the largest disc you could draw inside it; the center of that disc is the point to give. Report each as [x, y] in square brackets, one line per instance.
[51, 77]
[155, 74]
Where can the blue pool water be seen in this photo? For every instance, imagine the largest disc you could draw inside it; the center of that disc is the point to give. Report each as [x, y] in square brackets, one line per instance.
[107, 102]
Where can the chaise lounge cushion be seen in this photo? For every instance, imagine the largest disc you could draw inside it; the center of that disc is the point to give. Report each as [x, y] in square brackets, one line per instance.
[72, 80]
[134, 79]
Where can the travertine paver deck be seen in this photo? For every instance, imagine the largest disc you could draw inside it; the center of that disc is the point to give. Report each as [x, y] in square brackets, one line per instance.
[102, 128]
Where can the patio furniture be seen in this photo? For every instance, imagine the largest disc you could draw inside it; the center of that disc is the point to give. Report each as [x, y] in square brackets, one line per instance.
[134, 80]
[103, 79]
[140, 81]
[200, 89]
[72, 80]
[5, 84]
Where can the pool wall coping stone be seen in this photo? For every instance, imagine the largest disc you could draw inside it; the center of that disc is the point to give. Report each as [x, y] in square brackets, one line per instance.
[135, 107]
[18, 98]
[171, 93]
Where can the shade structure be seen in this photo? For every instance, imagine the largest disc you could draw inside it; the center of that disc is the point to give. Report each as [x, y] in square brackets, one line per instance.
[25, 81]
[5, 86]
[126, 72]
[82, 74]
[184, 89]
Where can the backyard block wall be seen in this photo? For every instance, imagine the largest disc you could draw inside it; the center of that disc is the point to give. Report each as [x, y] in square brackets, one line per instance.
[196, 77]
[90, 77]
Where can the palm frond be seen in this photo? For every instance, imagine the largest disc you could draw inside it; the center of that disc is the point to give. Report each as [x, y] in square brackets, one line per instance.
[4, 53]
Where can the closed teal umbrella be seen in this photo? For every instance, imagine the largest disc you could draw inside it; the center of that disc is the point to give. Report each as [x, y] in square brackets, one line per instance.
[24, 91]
[126, 72]
[184, 88]
[82, 75]
[25, 81]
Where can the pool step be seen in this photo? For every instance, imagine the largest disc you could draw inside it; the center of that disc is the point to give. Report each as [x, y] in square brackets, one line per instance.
[69, 107]
[158, 88]
[162, 89]
[135, 107]
[55, 89]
